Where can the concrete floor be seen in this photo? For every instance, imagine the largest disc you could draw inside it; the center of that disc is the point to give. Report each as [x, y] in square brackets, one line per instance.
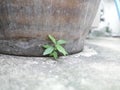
[96, 68]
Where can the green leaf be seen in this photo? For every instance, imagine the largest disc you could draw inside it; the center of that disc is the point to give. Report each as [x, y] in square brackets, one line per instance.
[61, 49]
[55, 54]
[52, 39]
[61, 42]
[46, 46]
[48, 50]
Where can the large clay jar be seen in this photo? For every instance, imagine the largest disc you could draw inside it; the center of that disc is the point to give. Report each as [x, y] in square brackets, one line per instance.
[25, 24]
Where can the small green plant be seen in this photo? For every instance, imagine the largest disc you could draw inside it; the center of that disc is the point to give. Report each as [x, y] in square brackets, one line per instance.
[55, 48]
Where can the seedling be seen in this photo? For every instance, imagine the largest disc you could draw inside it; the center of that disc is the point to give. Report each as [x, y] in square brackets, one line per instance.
[53, 50]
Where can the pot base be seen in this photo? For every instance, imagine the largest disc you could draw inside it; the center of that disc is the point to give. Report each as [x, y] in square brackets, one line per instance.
[34, 47]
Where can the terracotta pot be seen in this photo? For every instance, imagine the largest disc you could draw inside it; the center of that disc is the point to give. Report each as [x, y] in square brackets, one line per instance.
[25, 24]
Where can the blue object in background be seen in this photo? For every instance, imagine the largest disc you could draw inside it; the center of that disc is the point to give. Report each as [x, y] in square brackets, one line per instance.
[117, 3]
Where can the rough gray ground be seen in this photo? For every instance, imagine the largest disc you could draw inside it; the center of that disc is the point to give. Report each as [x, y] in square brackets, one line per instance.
[96, 68]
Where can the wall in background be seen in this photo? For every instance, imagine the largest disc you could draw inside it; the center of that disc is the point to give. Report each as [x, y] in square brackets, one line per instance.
[108, 15]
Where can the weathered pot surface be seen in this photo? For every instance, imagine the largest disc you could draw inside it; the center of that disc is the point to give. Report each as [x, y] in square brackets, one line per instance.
[25, 24]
